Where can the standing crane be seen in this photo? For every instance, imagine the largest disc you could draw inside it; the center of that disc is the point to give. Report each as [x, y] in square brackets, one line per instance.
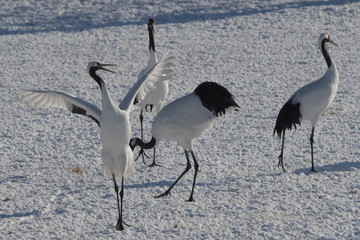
[158, 92]
[116, 154]
[309, 102]
[185, 119]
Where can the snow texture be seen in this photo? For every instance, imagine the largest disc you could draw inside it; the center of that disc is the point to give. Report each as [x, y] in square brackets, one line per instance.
[51, 176]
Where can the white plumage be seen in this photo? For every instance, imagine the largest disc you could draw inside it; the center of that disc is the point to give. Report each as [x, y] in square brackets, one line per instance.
[310, 101]
[45, 99]
[190, 120]
[186, 118]
[114, 122]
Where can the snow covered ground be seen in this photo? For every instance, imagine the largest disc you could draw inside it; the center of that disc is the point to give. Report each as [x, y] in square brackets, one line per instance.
[51, 179]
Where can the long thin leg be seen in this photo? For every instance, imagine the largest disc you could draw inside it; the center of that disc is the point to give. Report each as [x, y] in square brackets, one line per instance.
[188, 166]
[196, 166]
[312, 149]
[142, 132]
[119, 224]
[154, 163]
[281, 163]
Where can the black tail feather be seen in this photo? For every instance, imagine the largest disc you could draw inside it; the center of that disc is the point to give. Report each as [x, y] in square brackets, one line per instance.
[289, 116]
[215, 97]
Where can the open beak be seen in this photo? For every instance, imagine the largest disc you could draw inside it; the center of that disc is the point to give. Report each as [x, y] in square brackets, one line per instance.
[107, 65]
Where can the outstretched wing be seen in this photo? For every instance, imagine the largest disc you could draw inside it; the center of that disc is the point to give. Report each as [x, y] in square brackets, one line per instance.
[160, 72]
[45, 99]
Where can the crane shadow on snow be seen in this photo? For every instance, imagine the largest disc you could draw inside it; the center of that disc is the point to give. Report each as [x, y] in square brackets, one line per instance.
[20, 215]
[166, 184]
[338, 167]
[160, 184]
[86, 18]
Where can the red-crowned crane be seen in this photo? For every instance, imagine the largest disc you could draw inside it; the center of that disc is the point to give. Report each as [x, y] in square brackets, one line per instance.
[156, 93]
[114, 123]
[309, 102]
[187, 118]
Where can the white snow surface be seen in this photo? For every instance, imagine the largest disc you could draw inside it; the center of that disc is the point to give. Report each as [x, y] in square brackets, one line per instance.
[51, 176]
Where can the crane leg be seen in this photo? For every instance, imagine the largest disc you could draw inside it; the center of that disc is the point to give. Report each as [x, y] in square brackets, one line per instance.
[281, 163]
[312, 149]
[196, 166]
[188, 166]
[119, 225]
[154, 163]
[142, 132]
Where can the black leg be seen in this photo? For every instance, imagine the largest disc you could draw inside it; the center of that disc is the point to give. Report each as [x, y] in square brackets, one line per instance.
[119, 225]
[141, 153]
[281, 163]
[312, 149]
[154, 163]
[141, 124]
[196, 166]
[188, 166]
[141, 133]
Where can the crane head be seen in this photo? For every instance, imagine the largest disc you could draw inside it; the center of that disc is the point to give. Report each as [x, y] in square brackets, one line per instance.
[325, 37]
[98, 66]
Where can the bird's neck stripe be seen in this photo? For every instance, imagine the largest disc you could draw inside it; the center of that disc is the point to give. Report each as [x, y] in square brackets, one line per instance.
[325, 53]
[96, 77]
[151, 40]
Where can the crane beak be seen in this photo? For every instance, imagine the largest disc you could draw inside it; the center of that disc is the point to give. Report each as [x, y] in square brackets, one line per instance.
[107, 65]
[330, 40]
